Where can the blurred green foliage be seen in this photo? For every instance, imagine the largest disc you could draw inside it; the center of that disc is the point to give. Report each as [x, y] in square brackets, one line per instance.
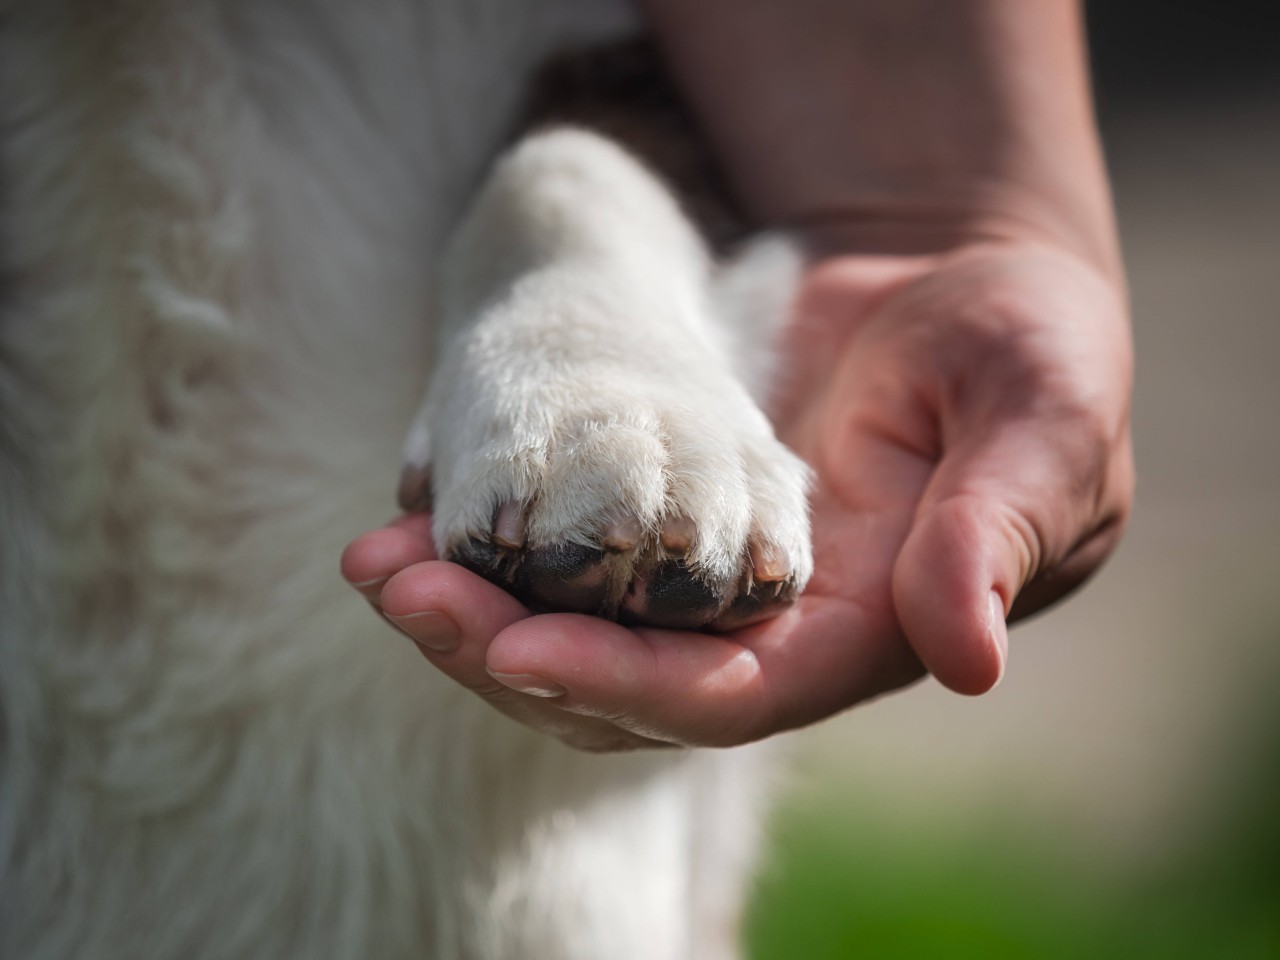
[855, 887]
[849, 881]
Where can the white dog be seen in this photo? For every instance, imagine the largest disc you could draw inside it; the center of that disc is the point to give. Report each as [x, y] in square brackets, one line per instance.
[222, 222]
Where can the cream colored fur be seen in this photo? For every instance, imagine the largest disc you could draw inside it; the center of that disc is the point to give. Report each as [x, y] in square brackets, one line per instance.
[586, 368]
[220, 221]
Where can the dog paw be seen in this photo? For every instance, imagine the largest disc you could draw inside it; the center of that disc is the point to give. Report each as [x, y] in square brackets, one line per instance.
[625, 505]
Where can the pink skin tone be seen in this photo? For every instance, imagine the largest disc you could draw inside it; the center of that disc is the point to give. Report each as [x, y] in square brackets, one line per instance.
[960, 368]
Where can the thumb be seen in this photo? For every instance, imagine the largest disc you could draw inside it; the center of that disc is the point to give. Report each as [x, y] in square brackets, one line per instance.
[1035, 502]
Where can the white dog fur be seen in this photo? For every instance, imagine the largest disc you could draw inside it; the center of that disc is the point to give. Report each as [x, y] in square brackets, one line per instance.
[219, 224]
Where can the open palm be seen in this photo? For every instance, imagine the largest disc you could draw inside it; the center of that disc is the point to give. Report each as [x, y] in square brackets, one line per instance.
[966, 418]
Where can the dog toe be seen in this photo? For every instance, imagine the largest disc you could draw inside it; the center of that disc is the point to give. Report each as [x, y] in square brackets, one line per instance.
[566, 577]
[671, 595]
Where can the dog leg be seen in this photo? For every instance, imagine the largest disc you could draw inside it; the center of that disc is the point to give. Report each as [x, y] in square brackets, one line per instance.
[587, 439]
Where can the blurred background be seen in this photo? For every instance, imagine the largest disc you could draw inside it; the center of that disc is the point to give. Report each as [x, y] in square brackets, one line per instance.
[1119, 794]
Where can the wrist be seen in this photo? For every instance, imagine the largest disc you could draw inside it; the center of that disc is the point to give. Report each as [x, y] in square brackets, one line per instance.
[926, 221]
[900, 125]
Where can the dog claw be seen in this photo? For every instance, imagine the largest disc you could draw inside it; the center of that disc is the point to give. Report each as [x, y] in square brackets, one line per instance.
[622, 535]
[677, 534]
[414, 492]
[508, 525]
[768, 563]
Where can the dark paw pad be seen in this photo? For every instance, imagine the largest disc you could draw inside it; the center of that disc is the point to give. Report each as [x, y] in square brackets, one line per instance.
[569, 578]
[490, 560]
[670, 595]
[632, 577]
[756, 602]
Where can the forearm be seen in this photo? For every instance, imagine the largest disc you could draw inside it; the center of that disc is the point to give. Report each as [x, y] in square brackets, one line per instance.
[900, 125]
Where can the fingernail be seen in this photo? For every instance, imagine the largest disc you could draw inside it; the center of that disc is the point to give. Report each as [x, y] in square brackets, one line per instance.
[435, 631]
[998, 630]
[527, 683]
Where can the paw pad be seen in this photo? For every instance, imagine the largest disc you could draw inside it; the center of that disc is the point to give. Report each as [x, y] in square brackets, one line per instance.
[631, 575]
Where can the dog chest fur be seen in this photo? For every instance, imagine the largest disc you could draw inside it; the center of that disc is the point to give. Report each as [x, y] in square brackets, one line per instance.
[218, 227]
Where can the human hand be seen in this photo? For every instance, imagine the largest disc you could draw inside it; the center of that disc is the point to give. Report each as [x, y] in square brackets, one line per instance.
[966, 417]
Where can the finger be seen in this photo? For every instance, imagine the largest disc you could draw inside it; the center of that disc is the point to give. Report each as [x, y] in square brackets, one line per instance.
[439, 604]
[945, 587]
[840, 644]
[648, 682]
[703, 690]
[453, 615]
[1027, 502]
[372, 559]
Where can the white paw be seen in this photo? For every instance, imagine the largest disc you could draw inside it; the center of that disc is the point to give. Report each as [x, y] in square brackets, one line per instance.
[640, 488]
[590, 447]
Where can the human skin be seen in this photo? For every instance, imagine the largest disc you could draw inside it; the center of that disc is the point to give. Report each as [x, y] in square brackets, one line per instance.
[958, 376]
